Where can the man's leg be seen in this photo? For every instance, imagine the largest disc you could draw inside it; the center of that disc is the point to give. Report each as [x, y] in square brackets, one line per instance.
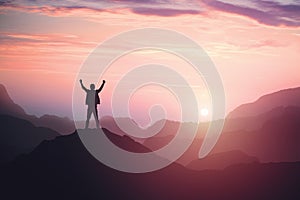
[95, 112]
[89, 113]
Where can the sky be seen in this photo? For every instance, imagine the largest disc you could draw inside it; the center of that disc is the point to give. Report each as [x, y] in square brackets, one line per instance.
[254, 44]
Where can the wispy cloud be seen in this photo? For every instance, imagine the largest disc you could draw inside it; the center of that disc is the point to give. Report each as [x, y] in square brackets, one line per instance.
[165, 8]
[7, 38]
[165, 12]
[269, 12]
[266, 12]
[41, 50]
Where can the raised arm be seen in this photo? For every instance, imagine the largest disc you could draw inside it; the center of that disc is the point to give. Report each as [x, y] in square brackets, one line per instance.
[101, 87]
[82, 86]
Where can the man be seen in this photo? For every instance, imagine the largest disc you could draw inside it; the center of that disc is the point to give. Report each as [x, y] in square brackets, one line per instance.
[92, 100]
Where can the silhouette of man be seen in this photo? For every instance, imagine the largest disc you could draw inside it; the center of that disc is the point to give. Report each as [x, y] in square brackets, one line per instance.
[92, 100]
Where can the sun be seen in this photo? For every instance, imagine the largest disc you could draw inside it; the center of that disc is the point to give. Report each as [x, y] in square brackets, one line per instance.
[204, 112]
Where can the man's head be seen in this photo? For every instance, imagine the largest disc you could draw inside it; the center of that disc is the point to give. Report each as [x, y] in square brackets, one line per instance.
[92, 86]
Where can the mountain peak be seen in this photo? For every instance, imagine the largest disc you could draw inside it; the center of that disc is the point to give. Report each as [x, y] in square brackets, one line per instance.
[282, 98]
[7, 105]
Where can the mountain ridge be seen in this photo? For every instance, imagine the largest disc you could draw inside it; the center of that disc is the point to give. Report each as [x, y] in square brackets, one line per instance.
[267, 102]
[20, 136]
[62, 125]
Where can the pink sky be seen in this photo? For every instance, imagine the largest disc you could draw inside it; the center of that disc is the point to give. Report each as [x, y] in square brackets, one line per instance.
[43, 46]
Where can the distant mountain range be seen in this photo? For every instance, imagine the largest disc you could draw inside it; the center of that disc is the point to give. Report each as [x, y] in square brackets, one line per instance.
[266, 103]
[19, 136]
[8, 107]
[21, 133]
[272, 136]
[278, 140]
[222, 160]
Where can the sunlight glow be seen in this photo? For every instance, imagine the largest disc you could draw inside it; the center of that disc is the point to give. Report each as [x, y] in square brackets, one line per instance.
[204, 112]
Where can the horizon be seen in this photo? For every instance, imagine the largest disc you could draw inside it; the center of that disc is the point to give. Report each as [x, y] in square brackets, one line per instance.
[43, 46]
[152, 122]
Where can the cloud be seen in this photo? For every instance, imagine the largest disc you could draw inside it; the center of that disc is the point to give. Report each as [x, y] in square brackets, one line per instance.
[52, 10]
[265, 12]
[255, 44]
[269, 12]
[42, 39]
[164, 8]
[164, 12]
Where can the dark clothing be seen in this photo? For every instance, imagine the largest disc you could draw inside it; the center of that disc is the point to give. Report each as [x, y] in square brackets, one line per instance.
[92, 97]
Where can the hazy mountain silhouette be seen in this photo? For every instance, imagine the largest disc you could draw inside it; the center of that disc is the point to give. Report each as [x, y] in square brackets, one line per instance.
[169, 131]
[248, 117]
[169, 127]
[19, 136]
[251, 116]
[8, 107]
[252, 123]
[109, 123]
[63, 169]
[254, 135]
[63, 125]
[272, 136]
[125, 142]
[277, 141]
[222, 160]
[283, 98]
